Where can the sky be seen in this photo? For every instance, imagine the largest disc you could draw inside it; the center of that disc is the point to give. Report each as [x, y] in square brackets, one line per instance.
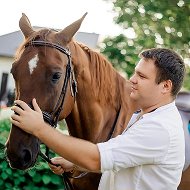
[58, 14]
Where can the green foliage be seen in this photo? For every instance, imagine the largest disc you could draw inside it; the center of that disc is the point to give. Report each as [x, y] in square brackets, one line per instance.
[38, 178]
[157, 22]
[122, 56]
[154, 24]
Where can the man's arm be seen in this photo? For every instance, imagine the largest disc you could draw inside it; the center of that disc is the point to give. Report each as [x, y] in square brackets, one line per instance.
[80, 152]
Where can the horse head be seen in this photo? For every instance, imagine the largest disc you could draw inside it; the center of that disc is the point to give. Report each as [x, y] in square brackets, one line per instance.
[42, 67]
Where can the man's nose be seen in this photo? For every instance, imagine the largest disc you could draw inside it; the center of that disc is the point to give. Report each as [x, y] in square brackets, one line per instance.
[133, 79]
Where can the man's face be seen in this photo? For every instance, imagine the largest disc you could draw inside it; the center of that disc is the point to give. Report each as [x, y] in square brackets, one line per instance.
[144, 88]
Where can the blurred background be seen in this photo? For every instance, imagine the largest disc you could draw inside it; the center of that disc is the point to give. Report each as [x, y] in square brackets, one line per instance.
[119, 29]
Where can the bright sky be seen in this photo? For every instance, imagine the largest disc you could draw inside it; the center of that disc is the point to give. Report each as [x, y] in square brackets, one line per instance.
[58, 14]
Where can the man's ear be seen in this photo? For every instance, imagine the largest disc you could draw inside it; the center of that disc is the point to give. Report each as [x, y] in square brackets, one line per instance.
[167, 86]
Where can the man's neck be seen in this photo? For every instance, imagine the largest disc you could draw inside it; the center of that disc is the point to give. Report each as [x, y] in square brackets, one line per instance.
[155, 106]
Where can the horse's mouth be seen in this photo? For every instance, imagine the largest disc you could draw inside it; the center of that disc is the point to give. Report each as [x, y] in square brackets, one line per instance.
[19, 164]
[22, 163]
[21, 155]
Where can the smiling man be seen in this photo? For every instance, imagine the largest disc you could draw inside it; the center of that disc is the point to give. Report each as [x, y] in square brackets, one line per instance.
[150, 152]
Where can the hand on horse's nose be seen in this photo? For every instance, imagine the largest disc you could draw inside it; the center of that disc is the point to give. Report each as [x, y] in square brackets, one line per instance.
[19, 107]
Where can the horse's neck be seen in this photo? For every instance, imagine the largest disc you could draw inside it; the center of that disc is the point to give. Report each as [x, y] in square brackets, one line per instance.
[93, 117]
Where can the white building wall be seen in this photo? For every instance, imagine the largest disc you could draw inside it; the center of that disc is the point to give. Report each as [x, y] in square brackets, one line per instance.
[5, 67]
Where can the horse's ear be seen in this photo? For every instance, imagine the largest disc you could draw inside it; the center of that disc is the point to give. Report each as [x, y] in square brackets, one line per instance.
[67, 33]
[25, 26]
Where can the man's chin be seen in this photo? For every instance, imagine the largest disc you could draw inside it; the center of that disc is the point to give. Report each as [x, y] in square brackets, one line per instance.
[133, 95]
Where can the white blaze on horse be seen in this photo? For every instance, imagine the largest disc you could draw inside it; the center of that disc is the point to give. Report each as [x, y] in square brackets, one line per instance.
[33, 63]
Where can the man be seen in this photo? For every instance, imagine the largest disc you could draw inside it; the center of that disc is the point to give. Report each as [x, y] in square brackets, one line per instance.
[150, 152]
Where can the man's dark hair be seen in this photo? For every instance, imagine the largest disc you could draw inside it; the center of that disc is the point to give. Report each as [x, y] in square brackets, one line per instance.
[170, 66]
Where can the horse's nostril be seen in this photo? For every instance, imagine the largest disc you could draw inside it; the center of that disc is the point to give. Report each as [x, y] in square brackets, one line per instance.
[27, 156]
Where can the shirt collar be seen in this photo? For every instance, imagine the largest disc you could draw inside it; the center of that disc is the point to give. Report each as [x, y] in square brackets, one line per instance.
[161, 108]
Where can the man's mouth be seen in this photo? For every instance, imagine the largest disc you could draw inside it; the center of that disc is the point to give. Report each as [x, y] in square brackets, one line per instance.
[133, 88]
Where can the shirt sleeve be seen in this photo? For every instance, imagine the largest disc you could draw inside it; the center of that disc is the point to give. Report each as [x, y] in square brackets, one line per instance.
[142, 144]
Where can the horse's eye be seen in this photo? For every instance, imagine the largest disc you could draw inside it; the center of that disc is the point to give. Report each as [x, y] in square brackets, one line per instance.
[56, 77]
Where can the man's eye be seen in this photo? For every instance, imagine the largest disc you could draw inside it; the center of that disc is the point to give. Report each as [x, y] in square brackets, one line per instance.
[141, 76]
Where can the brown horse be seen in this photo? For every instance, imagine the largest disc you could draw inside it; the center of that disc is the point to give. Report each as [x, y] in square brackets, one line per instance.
[100, 110]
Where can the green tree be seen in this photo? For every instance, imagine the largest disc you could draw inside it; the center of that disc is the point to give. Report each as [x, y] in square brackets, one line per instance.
[155, 24]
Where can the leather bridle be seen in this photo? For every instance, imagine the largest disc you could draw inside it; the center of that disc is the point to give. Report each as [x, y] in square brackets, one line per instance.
[53, 117]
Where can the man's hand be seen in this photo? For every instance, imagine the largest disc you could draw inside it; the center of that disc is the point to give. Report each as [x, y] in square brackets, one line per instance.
[65, 165]
[27, 119]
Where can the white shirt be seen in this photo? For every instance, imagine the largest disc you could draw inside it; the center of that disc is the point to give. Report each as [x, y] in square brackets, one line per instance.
[148, 156]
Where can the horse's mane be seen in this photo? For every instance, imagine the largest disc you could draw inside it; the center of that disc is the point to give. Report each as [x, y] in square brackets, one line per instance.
[104, 78]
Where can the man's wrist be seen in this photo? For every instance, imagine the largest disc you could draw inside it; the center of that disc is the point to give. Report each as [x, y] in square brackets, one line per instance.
[40, 131]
